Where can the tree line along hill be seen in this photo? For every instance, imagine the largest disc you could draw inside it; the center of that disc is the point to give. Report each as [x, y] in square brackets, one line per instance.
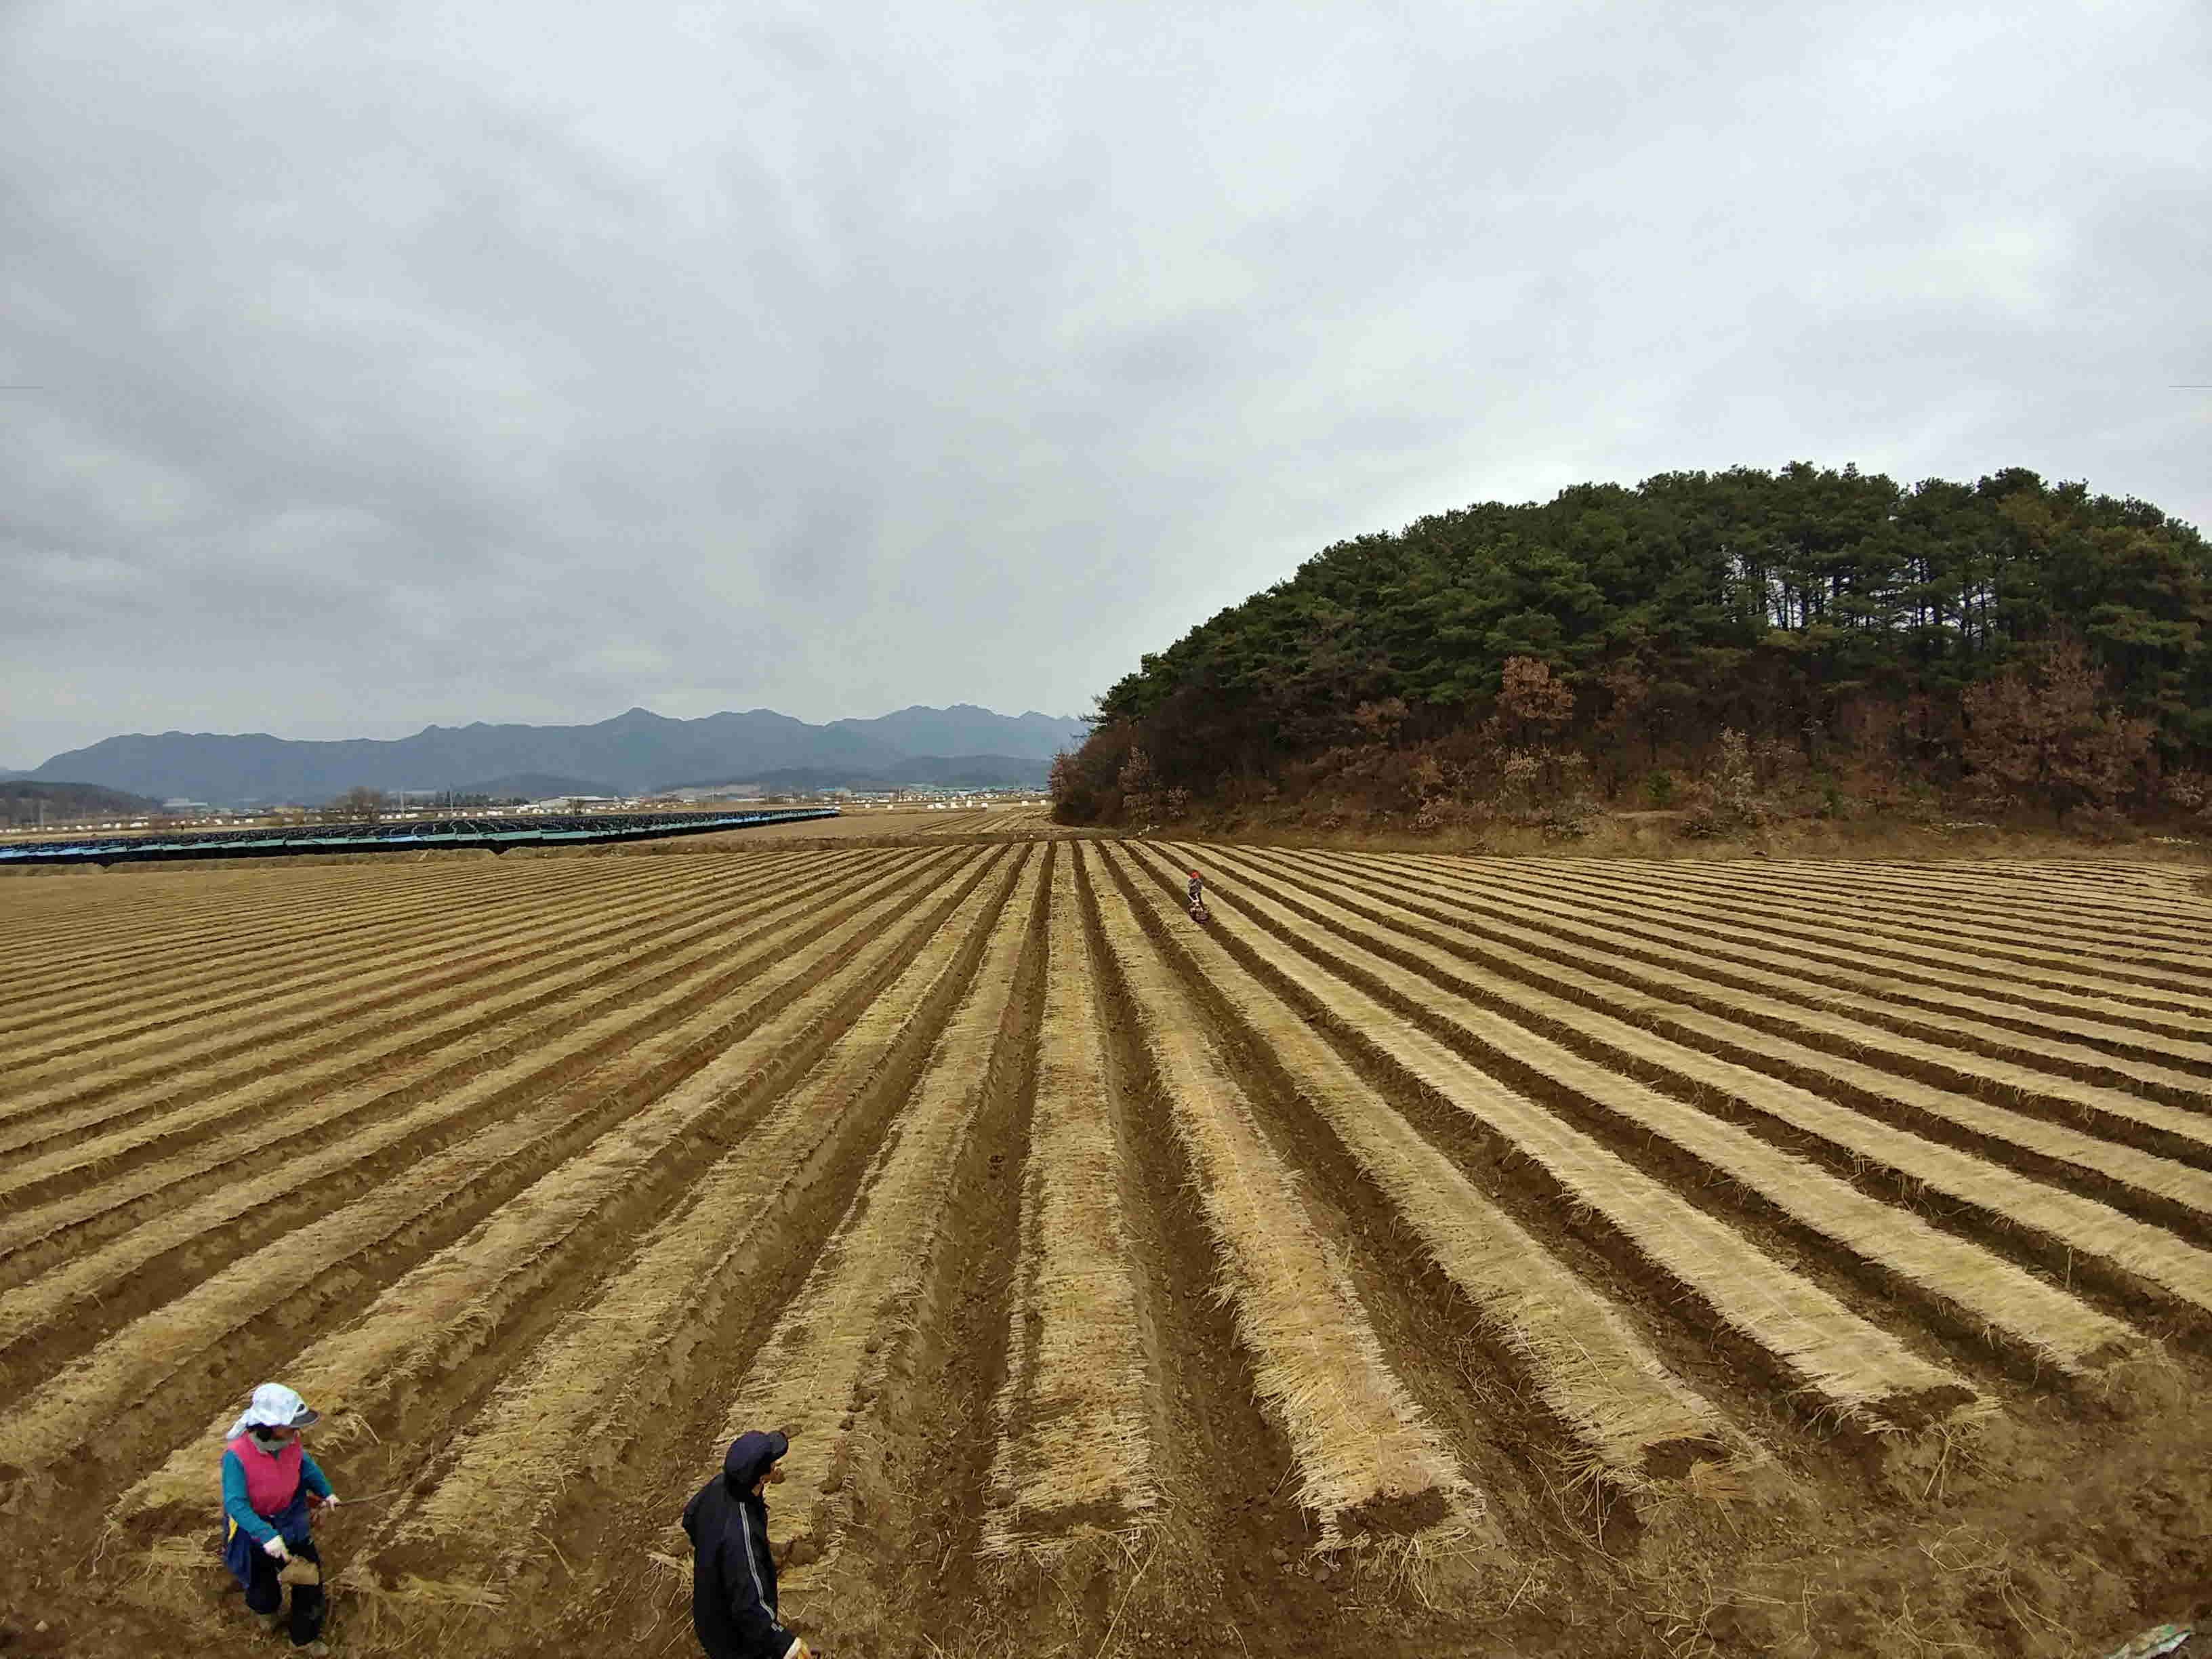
[1726, 645]
[23, 801]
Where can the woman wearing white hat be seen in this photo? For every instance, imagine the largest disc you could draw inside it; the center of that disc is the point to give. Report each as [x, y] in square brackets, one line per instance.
[268, 1480]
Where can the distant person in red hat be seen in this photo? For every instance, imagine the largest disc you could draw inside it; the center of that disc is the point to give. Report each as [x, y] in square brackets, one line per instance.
[1197, 911]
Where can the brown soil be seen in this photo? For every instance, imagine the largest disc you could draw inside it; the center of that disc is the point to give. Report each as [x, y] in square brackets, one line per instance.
[406, 1054]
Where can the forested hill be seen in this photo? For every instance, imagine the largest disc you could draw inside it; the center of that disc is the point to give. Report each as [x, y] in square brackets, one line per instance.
[1834, 611]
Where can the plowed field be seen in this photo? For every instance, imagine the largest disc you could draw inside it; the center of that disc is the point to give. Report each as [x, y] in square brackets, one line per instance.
[1429, 1254]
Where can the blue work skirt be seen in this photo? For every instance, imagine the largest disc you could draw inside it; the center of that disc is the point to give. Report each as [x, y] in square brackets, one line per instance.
[238, 1547]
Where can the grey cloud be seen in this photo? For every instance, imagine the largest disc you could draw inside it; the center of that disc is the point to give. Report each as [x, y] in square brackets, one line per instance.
[398, 364]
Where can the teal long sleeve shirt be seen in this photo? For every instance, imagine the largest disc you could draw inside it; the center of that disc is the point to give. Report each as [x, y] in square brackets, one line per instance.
[236, 1505]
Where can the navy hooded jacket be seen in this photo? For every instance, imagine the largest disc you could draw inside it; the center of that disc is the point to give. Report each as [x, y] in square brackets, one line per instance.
[732, 1577]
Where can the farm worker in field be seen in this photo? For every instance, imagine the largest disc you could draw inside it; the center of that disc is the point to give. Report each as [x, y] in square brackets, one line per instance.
[732, 1575]
[268, 1482]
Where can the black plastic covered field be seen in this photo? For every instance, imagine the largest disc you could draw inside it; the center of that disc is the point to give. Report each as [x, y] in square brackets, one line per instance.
[497, 834]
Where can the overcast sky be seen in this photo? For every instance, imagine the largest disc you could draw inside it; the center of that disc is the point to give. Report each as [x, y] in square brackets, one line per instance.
[372, 364]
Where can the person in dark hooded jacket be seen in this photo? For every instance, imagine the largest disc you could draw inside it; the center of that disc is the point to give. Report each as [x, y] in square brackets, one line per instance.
[732, 1575]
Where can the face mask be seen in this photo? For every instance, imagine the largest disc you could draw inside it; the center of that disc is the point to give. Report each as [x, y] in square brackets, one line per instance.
[267, 1443]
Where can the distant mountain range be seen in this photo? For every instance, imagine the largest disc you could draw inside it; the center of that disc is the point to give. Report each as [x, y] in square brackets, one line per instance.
[948, 771]
[631, 754]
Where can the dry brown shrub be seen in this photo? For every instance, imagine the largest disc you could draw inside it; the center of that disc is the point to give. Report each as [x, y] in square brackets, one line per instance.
[1379, 721]
[2189, 791]
[2051, 737]
[1531, 698]
[1728, 801]
[1445, 812]
[1428, 778]
[1571, 818]
[1779, 764]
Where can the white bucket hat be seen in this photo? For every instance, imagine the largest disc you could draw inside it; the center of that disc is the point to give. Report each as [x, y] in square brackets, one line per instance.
[274, 1406]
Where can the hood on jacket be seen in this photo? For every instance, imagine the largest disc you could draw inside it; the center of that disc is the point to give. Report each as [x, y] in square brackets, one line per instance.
[752, 1455]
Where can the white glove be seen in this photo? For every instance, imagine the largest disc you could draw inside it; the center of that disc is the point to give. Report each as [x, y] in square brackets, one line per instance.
[275, 1550]
[330, 1502]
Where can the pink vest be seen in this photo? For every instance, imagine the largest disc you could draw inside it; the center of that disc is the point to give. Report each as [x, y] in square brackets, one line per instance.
[271, 1483]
